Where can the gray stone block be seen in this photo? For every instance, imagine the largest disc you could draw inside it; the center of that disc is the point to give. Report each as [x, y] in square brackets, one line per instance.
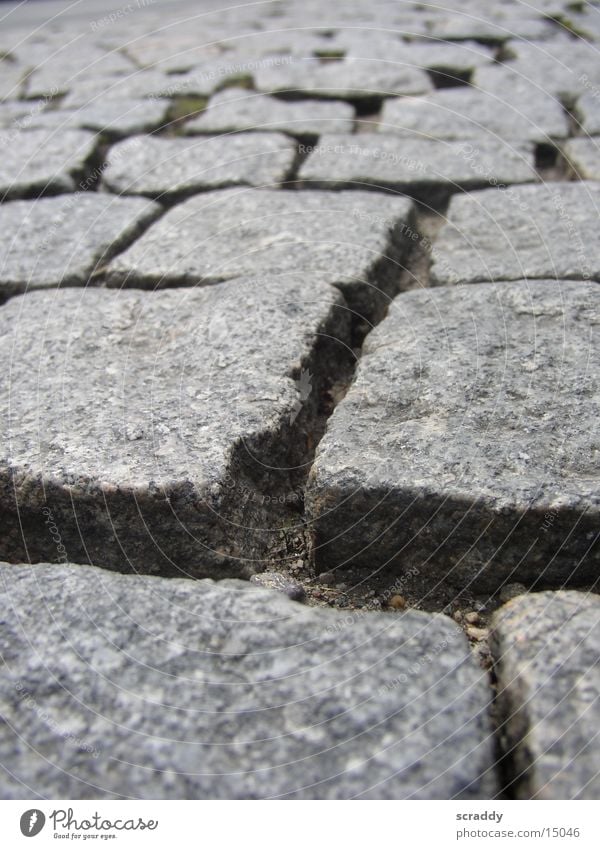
[465, 452]
[239, 109]
[61, 241]
[163, 430]
[545, 648]
[582, 156]
[463, 113]
[112, 118]
[125, 686]
[587, 112]
[43, 161]
[167, 168]
[520, 232]
[415, 165]
[356, 240]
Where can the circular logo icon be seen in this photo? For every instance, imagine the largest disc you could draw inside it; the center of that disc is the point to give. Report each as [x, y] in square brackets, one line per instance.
[32, 822]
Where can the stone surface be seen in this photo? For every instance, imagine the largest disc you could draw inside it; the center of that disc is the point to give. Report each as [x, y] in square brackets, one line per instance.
[61, 241]
[587, 112]
[465, 453]
[162, 430]
[280, 582]
[356, 240]
[59, 72]
[414, 165]
[545, 648]
[112, 118]
[347, 79]
[239, 109]
[151, 688]
[582, 156]
[463, 113]
[41, 161]
[163, 168]
[99, 89]
[525, 231]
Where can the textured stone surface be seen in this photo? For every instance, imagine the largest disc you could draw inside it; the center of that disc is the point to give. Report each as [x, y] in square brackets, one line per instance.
[463, 113]
[149, 688]
[58, 73]
[377, 159]
[525, 231]
[545, 648]
[582, 156]
[354, 239]
[239, 109]
[158, 167]
[114, 118]
[98, 88]
[60, 241]
[587, 112]
[42, 161]
[161, 429]
[347, 79]
[472, 419]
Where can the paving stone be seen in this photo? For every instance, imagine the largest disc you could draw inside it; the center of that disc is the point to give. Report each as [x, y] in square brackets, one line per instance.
[582, 156]
[587, 112]
[38, 161]
[414, 165]
[113, 118]
[525, 231]
[356, 240]
[463, 113]
[150, 688]
[175, 167]
[455, 60]
[348, 79]
[497, 27]
[11, 80]
[99, 89]
[238, 109]
[171, 423]
[545, 648]
[471, 420]
[564, 68]
[71, 63]
[61, 241]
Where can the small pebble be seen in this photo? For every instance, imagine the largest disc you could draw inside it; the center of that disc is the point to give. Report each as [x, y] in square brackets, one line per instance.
[398, 602]
[281, 583]
[510, 591]
[472, 617]
[477, 633]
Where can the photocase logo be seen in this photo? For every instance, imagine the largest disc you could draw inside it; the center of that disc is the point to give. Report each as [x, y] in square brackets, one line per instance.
[304, 386]
[32, 822]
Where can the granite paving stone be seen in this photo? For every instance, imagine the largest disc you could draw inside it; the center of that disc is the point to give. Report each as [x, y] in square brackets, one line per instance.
[582, 156]
[462, 113]
[414, 165]
[139, 687]
[160, 429]
[524, 231]
[471, 420]
[61, 241]
[587, 113]
[237, 109]
[356, 240]
[176, 167]
[111, 118]
[545, 648]
[39, 161]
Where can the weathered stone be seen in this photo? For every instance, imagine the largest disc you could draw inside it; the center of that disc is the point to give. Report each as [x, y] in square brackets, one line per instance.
[162, 168]
[61, 241]
[347, 79]
[11, 80]
[72, 63]
[545, 648]
[466, 450]
[463, 113]
[40, 161]
[239, 109]
[587, 112]
[98, 89]
[582, 156]
[415, 165]
[456, 61]
[114, 118]
[161, 429]
[499, 26]
[137, 687]
[355, 240]
[525, 231]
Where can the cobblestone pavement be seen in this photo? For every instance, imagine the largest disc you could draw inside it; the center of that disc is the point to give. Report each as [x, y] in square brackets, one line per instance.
[299, 481]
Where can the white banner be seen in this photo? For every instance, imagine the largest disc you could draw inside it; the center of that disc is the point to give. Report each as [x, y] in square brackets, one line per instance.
[299, 825]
